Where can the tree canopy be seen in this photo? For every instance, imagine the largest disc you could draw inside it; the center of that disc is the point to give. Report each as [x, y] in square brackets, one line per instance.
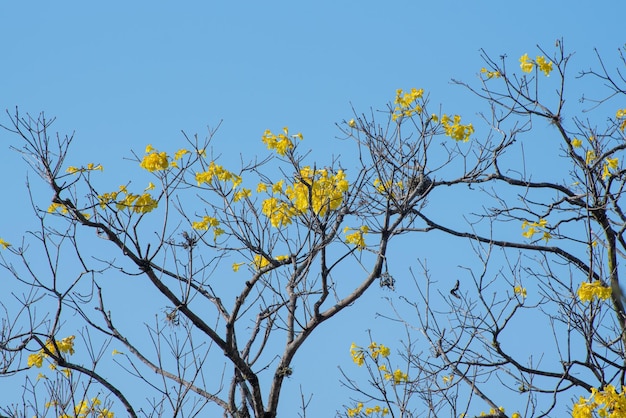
[231, 270]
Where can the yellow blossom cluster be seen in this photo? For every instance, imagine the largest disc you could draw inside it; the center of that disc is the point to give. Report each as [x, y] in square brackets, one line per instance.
[206, 223]
[154, 160]
[454, 129]
[527, 65]
[242, 194]
[358, 354]
[278, 211]
[216, 171]
[57, 207]
[610, 164]
[407, 103]
[281, 143]
[378, 349]
[60, 207]
[374, 349]
[606, 403]
[90, 167]
[621, 115]
[66, 345]
[4, 244]
[490, 74]
[590, 157]
[357, 237]
[259, 262]
[123, 199]
[577, 143]
[398, 376]
[360, 411]
[519, 290]
[588, 291]
[159, 161]
[318, 191]
[85, 409]
[532, 228]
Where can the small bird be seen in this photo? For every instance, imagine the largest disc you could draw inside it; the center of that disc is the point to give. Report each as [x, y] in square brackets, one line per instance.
[420, 184]
[455, 289]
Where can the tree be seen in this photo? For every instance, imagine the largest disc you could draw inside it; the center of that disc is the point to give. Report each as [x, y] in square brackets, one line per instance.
[287, 236]
[539, 320]
[245, 264]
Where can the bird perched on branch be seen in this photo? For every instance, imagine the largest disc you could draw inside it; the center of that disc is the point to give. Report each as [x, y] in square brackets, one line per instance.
[419, 184]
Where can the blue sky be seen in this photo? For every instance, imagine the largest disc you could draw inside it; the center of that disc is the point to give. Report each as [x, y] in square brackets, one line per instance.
[125, 74]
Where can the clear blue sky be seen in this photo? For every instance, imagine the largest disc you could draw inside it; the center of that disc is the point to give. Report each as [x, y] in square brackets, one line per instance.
[125, 74]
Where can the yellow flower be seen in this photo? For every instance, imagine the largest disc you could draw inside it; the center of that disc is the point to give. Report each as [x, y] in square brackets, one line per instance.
[407, 103]
[577, 143]
[155, 161]
[398, 377]
[57, 206]
[454, 129]
[278, 186]
[535, 227]
[516, 415]
[529, 232]
[588, 291]
[115, 352]
[66, 345]
[525, 63]
[353, 412]
[356, 238]
[384, 350]
[351, 123]
[358, 355]
[490, 74]
[241, 194]
[207, 221]
[144, 203]
[261, 187]
[606, 403]
[605, 172]
[35, 359]
[150, 186]
[92, 166]
[179, 154]
[260, 262]
[72, 170]
[447, 379]
[613, 162]
[544, 65]
[590, 157]
[280, 143]
[4, 244]
[236, 266]
[280, 213]
[519, 290]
